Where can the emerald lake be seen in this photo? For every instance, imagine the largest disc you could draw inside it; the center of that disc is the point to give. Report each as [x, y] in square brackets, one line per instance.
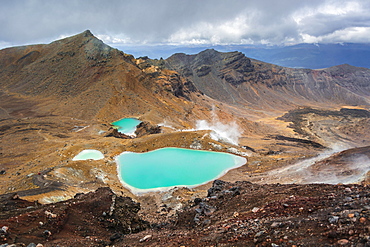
[127, 125]
[168, 167]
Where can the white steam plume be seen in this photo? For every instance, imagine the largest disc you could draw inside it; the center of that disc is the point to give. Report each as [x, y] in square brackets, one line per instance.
[228, 132]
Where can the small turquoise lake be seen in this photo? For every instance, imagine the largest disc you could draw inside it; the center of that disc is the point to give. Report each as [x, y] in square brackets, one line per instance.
[168, 167]
[89, 154]
[127, 125]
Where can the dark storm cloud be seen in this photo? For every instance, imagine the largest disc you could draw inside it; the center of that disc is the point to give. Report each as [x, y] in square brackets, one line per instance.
[186, 22]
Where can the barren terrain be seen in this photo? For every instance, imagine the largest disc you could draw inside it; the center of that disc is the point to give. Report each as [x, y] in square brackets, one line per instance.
[295, 127]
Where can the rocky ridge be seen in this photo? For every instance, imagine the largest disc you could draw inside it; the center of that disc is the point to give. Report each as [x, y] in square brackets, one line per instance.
[235, 79]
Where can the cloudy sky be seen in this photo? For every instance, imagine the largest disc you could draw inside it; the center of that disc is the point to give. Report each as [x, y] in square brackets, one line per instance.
[186, 22]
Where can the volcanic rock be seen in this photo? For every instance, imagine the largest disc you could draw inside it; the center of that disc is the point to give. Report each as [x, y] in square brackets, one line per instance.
[82, 222]
[146, 128]
[72, 219]
[115, 133]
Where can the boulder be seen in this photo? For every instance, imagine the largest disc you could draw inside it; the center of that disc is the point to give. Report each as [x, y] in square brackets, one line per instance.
[115, 133]
[146, 128]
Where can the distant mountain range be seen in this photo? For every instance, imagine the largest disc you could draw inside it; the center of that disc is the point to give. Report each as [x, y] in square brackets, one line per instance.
[312, 56]
[70, 72]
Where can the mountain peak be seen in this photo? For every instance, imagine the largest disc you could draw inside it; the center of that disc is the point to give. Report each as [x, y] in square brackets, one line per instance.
[211, 50]
[93, 47]
[87, 33]
[84, 36]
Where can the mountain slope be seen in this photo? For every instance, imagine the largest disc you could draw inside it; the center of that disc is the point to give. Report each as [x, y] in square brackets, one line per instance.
[235, 79]
[82, 77]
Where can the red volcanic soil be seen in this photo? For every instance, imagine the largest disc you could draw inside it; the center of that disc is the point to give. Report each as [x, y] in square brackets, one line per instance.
[232, 214]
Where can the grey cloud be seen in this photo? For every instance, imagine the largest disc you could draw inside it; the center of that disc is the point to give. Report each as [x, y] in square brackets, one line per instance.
[232, 21]
[324, 24]
[337, 21]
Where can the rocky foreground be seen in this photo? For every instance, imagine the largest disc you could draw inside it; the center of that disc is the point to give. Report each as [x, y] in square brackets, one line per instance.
[232, 214]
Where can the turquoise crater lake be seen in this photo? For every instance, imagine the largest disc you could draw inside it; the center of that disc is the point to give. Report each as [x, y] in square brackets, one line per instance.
[127, 125]
[168, 167]
[89, 154]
